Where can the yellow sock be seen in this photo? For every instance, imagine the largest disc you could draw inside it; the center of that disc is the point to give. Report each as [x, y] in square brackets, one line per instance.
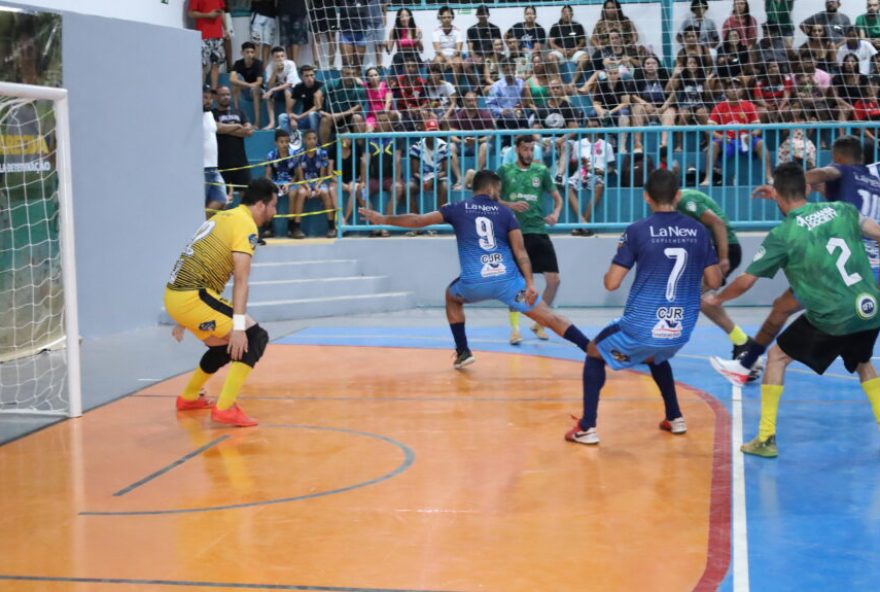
[238, 373]
[770, 395]
[514, 319]
[872, 389]
[738, 336]
[196, 382]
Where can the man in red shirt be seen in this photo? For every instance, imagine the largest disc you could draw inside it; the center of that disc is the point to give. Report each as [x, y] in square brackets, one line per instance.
[728, 142]
[209, 21]
[410, 95]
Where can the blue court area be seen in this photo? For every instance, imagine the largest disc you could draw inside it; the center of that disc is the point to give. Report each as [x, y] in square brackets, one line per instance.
[812, 515]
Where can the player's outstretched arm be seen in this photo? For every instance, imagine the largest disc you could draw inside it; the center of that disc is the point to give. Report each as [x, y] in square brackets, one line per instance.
[614, 276]
[713, 276]
[870, 228]
[734, 290]
[716, 226]
[402, 220]
[822, 175]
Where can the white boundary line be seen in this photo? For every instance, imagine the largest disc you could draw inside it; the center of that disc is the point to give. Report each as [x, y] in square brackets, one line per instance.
[740, 527]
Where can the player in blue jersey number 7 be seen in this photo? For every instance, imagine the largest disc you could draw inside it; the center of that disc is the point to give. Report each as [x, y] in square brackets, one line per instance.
[493, 259]
[673, 255]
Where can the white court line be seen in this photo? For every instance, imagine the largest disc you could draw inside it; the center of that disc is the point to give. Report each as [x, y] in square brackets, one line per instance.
[740, 528]
[149, 379]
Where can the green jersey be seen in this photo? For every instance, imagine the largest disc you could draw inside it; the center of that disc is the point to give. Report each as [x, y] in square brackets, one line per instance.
[870, 24]
[819, 248]
[694, 203]
[528, 185]
[779, 12]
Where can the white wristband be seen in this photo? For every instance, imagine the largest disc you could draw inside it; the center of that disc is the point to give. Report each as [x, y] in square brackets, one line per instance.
[239, 322]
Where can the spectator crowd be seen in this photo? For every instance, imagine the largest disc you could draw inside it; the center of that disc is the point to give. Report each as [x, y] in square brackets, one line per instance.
[568, 75]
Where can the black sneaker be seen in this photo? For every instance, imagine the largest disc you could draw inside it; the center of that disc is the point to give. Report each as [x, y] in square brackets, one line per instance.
[739, 351]
[463, 358]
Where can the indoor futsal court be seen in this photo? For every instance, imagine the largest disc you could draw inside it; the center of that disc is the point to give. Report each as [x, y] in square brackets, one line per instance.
[214, 190]
[388, 470]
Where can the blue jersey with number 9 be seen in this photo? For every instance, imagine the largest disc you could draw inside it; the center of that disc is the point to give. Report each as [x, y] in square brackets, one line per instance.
[670, 251]
[481, 225]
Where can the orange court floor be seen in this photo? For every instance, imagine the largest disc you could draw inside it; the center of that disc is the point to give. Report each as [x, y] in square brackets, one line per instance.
[374, 469]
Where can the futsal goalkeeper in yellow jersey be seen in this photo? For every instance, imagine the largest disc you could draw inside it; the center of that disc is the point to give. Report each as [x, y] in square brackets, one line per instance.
[222, 247]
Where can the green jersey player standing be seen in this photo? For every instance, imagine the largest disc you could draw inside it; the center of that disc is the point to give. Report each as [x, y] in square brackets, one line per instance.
[819, 247]
[523, 186]
[700, 206]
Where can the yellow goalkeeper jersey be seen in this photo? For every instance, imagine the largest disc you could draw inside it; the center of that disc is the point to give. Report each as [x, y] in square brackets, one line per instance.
[206, 262]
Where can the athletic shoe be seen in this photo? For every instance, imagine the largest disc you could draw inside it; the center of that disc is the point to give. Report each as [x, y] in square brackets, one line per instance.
[331, 233]
[758, 367]
[539, 332]
[515, 337]
[758, 447]
[234, 416]
[676, 426]
[297, 234]
[463, 358]
[590, 436]
[201, 403]
[732, 370]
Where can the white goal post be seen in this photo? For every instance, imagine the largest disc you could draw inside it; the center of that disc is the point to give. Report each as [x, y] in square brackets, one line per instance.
[66, 398]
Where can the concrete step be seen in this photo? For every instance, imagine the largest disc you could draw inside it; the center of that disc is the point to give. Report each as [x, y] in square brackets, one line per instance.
[303, 308]
[313, 288]
[296, 250]
[304, 270]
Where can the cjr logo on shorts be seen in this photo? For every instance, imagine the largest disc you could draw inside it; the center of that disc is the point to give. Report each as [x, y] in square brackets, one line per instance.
[866, 306]
[619, 356]
[520, 296]
[208, 326]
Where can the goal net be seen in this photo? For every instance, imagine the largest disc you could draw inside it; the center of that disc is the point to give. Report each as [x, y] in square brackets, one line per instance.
[39, 357]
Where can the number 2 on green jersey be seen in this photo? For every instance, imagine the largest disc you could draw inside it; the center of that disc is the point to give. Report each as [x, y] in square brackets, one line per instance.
[848, 278]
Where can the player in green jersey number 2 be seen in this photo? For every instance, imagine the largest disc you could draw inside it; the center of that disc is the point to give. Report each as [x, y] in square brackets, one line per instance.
[819, 248]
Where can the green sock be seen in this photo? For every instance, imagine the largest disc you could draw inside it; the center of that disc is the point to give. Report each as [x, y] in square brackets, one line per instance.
[514, 319]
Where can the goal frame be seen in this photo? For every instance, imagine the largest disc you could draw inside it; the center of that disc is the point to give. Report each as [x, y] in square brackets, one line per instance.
[59, 99]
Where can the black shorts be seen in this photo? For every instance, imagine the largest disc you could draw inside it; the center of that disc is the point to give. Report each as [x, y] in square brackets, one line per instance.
[323, 20]
[805, 343]
[240, 177]
[541, 253]
[735, 256]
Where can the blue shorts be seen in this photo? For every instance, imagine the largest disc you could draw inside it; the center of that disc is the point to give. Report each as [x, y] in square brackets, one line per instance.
[620, 351]
[729, 147]
[510, 292]
[353, 38]
[215, 188]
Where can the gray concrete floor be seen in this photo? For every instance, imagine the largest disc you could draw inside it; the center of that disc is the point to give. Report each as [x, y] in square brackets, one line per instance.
[116, 366]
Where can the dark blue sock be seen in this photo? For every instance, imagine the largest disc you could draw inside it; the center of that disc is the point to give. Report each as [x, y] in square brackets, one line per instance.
[662, 374]
[574, 335]
[461, 343]
[752, 354]
[594, 380]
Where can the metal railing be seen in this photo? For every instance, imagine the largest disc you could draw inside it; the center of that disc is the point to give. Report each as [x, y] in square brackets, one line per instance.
[602, 198]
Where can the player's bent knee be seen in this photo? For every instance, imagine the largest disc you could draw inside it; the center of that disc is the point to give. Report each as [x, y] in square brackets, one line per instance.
[258, 339]
[215, 358]
[777, 356]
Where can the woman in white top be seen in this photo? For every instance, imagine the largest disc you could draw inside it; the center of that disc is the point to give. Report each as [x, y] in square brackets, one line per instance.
[448, 43]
